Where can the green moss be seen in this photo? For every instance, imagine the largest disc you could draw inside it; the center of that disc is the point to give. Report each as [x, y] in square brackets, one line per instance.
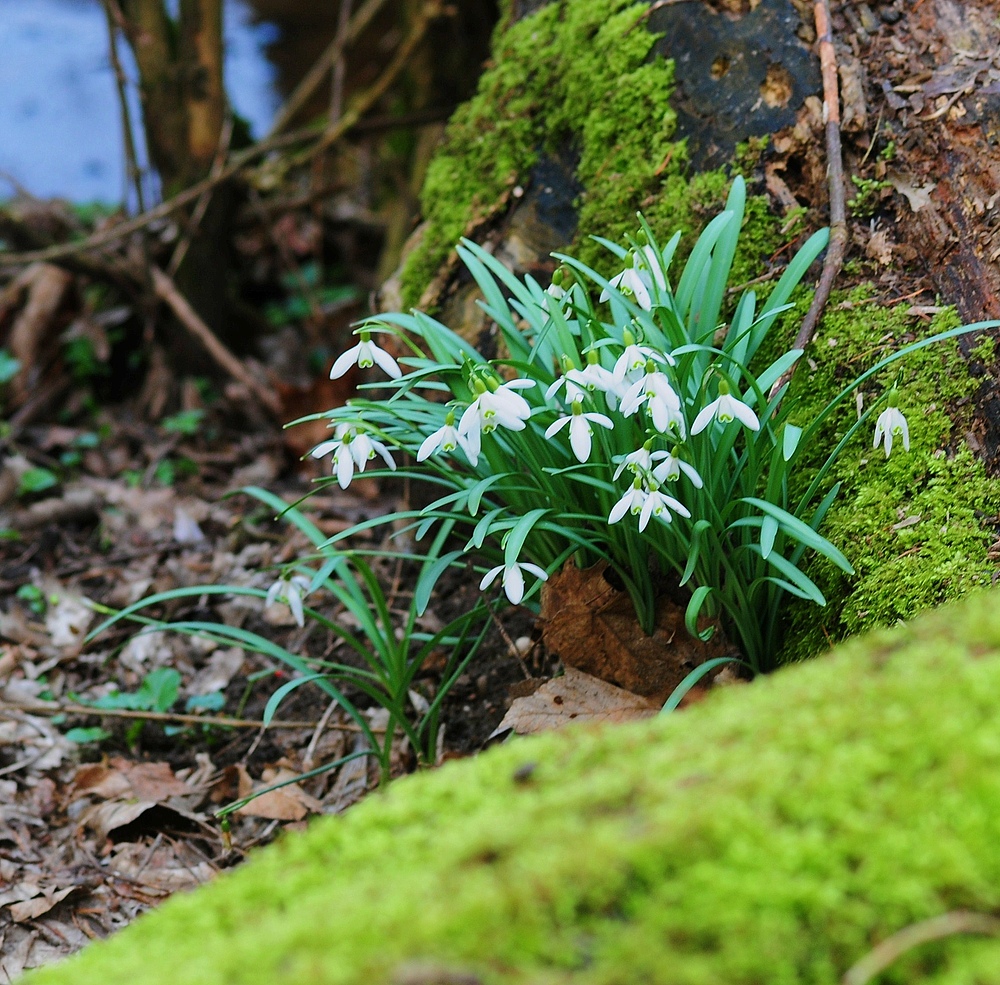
[774, 833]
[912, 525]
[574, 76]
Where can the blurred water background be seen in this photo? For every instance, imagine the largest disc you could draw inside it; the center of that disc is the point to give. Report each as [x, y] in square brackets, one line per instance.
[60, 124]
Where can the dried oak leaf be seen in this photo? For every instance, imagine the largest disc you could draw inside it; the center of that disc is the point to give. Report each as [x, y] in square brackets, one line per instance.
[592, 626]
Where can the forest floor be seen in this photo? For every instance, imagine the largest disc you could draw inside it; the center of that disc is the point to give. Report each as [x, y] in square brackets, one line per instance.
[103, 812]
[106, 811]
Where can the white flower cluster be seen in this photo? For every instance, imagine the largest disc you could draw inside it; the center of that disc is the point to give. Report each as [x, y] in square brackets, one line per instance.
[639, 387]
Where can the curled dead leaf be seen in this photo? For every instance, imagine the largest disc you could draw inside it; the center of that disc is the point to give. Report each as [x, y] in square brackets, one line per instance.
[592, 626]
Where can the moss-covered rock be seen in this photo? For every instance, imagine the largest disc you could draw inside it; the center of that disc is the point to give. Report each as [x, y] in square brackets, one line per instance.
[775, 833]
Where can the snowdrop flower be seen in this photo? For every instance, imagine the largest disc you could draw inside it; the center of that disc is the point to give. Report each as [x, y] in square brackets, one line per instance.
[366, 353]
[363, 449]
[575, 391]
[594, 376]
[580, 431]
[555, 291]
[640, 461]
[725, 408]
[630, 283]
[340, 445]
[635, 357]
[513, 579]
[446, 438]
[632, 502]
[669, 470]
[659, 505]
[351, 448]
[495, 404]
[290, 589]
[638, 280]
[660, 398]
[891, 424]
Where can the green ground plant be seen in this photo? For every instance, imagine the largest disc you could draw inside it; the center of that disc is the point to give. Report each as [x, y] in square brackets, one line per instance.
[384, 654]
[694, 416]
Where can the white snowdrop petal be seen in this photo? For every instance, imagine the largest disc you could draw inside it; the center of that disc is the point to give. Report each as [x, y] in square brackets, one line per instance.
[579, 438]
[386, 362]
[430, 444]
[556, 426]
[345, 361]
[513, 584]
[704, 418]
[490, 577]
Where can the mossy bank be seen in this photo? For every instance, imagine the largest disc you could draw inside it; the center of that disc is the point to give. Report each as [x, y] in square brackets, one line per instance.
[774, 833]
[580, 77]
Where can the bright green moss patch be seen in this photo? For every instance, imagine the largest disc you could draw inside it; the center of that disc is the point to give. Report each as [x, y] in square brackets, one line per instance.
[574, 77]
[774, 833]
[915, 525]
[578, 77]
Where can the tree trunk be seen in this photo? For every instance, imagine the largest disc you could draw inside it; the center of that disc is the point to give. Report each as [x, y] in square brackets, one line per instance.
[184, 106]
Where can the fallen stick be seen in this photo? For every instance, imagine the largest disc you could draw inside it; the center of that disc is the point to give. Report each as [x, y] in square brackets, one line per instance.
[56, 708]
[835, 177]
[167, 291]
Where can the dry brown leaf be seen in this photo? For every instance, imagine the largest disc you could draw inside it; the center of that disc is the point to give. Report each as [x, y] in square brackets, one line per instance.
[122, 779]
[153, 781]
[290, 803]
[104, 818]
[574, 697]
[592, 626]
[37, 906]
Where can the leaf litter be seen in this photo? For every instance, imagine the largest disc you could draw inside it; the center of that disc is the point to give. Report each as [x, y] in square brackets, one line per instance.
[95, 831]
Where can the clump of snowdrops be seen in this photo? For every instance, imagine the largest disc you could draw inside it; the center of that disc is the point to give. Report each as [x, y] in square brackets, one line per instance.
[631, 420]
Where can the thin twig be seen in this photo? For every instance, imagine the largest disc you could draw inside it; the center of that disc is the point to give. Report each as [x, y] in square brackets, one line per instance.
[321, 68]
[339, 64]
[201, 206]
[116, 21]
[377, 89]
[835, 176]
[307, 759]
[934, 929]
[57, 708]
[167, 291]
[511, 646]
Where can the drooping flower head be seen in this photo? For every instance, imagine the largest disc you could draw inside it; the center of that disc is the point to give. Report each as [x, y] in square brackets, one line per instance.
[655, 390]
[891, 424]
[580, 430]
[513, 578]
[446, 438]
[496, 405]
[351, 447]
[365, 354]
[725, 409]
[670, 469]
[290, 589]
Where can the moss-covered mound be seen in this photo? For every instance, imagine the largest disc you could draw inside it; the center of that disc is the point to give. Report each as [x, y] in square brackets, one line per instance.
[775, 834]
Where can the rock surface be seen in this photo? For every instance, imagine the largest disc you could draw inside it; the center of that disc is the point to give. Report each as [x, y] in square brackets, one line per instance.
[774, 833]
